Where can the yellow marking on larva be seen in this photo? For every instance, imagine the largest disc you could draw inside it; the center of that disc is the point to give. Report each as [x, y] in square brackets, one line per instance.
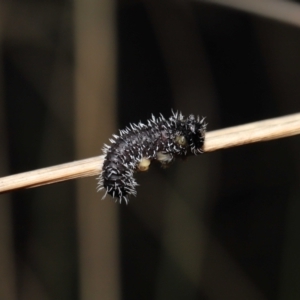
[181, 140]
[144, 164]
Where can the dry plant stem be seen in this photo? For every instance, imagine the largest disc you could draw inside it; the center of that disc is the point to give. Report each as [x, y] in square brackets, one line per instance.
[260, 131]
[220, 139]
[80, 168]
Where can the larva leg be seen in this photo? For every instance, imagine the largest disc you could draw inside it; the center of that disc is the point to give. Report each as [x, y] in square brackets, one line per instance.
[165, 158]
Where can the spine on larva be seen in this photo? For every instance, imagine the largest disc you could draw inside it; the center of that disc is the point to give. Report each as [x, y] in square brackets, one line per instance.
[136, 146]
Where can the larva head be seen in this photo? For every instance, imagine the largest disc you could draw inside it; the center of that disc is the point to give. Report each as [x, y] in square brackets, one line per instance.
[190, 135]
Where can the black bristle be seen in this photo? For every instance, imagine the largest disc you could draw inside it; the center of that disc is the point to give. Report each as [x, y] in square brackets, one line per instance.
[162, 140]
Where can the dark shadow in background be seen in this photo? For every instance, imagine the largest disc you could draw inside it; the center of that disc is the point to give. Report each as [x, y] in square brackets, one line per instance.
[250, 211]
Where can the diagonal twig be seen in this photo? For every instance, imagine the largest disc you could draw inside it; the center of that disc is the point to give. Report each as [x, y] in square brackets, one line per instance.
[260, 131]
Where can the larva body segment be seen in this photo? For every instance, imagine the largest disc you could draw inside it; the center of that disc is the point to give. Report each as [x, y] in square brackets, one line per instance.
[162, 140]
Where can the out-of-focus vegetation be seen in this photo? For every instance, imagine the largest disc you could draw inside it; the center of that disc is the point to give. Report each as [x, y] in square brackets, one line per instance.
[220, 226]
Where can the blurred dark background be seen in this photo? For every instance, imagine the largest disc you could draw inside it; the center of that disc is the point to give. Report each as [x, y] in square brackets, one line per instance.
[224, 225]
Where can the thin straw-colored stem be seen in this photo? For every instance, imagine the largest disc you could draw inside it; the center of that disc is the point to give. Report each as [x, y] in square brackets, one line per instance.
[219, 139]
[80, 168]
[260, 131]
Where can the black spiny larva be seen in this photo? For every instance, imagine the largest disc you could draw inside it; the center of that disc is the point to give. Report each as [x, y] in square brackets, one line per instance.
[162, 140]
